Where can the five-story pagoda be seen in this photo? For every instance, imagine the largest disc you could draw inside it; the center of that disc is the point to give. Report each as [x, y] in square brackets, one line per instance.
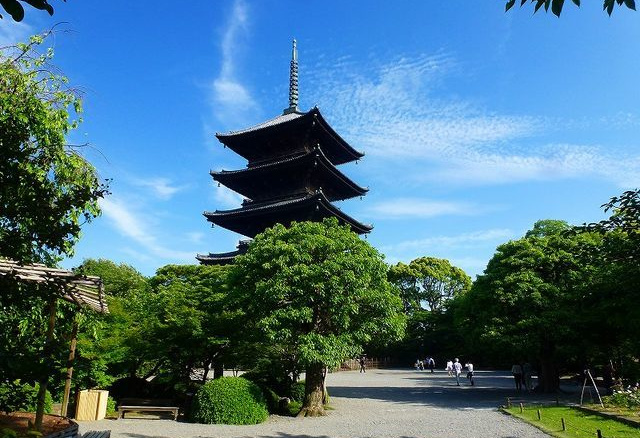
[291, 173]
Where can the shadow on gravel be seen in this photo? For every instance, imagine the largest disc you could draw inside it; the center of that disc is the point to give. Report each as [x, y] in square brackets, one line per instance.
[490, 391]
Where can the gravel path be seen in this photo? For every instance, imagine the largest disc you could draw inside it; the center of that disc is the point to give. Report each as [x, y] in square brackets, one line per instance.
[378, 403]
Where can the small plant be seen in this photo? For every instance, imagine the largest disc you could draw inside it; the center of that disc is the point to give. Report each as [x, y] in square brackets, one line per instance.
[229, 400]
[111, 406]
[8, 433]
[625, 398]
[293, 408]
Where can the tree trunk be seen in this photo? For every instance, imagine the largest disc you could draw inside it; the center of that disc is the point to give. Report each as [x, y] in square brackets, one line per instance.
[218, 369]
[44, 379]
[548, 376]
[314, 392]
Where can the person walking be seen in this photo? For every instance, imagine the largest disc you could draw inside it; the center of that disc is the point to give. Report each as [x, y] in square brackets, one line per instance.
[516, 370]
[449, 368]
[527, 372]
[432, 363]
[457, 370]
[469, 367]
[363, 364]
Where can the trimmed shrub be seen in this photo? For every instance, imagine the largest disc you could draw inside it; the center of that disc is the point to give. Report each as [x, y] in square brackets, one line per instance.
[229, 400]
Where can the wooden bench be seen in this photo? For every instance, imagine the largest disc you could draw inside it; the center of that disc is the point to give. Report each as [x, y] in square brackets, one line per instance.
[146, 405]
[97, 434]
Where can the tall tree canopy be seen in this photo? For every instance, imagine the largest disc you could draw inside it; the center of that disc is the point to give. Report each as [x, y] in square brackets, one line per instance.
[428, 282]
[557, 5]
[47, 189]
[530, 285]
[321, 290]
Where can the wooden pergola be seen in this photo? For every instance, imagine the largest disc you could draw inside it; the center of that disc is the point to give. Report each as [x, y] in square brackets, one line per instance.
[81, 290]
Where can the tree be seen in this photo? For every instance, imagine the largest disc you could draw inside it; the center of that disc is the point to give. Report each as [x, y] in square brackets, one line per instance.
[318, 289]
[47, 189]
[529, 286]
[16, 10]
[428, 281]
[614, 292]
[557, 5]
[195, 321]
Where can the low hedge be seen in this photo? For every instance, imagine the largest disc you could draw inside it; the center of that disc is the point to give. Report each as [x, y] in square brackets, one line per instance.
[229, 400]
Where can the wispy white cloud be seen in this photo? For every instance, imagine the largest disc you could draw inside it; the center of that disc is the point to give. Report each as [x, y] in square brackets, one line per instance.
[12, 32]
[135, 227]
[231, 99]
[393, 112]
[422, 208]
[463, 240]
[162, 188]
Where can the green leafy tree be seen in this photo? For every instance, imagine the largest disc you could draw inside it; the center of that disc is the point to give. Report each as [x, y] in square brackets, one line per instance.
[195, 320]
[530, 286]
[47, 189]
[47, 192]
[111, 346]
[613, 296]
[319, 289]
[428, 282]
[557, 5]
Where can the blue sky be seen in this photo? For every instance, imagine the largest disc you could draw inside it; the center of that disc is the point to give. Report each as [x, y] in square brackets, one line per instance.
[475, 123]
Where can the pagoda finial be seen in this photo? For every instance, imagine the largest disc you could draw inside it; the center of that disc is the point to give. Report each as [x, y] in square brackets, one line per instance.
[293, 81]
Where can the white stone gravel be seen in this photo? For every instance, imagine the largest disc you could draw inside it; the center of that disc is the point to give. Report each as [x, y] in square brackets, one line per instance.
[378, 403]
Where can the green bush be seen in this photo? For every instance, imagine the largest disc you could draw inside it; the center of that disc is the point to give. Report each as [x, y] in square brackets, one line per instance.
[623, 399]
[229, 400]
[17, 396]
[296, 392]
[293, 408]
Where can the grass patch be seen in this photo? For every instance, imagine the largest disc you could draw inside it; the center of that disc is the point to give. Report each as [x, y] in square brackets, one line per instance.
[578, 424]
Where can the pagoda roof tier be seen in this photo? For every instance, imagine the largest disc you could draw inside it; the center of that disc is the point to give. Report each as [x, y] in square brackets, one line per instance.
[224, 258]
[253, 217]
[286, 134]
[295, 174]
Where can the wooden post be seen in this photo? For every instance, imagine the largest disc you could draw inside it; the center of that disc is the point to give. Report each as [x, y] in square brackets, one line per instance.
[70, 360]
[599, 432]
[44, 380]
[539, 417]
[508, 402]
[521, 407]
[564, 426]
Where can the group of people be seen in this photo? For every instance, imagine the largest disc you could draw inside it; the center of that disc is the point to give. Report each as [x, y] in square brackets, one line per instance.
[454, 368]
[428, 363]
[522, 374]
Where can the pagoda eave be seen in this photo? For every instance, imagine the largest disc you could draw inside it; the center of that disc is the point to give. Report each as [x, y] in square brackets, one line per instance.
[291, 174]
[253, 219]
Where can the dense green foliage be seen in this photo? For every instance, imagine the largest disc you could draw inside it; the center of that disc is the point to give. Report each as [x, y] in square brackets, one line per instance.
[428, 287]
[529, 285]
[229, 400]
[17, 396]
[47, 189]
[316, 291]
[557, 5]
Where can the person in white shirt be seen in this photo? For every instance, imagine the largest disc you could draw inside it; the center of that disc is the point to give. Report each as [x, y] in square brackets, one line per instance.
[469, 367]
[449, 368]
[457, 369]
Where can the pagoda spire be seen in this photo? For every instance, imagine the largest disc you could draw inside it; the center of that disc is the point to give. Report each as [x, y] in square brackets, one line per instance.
[293, 82]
